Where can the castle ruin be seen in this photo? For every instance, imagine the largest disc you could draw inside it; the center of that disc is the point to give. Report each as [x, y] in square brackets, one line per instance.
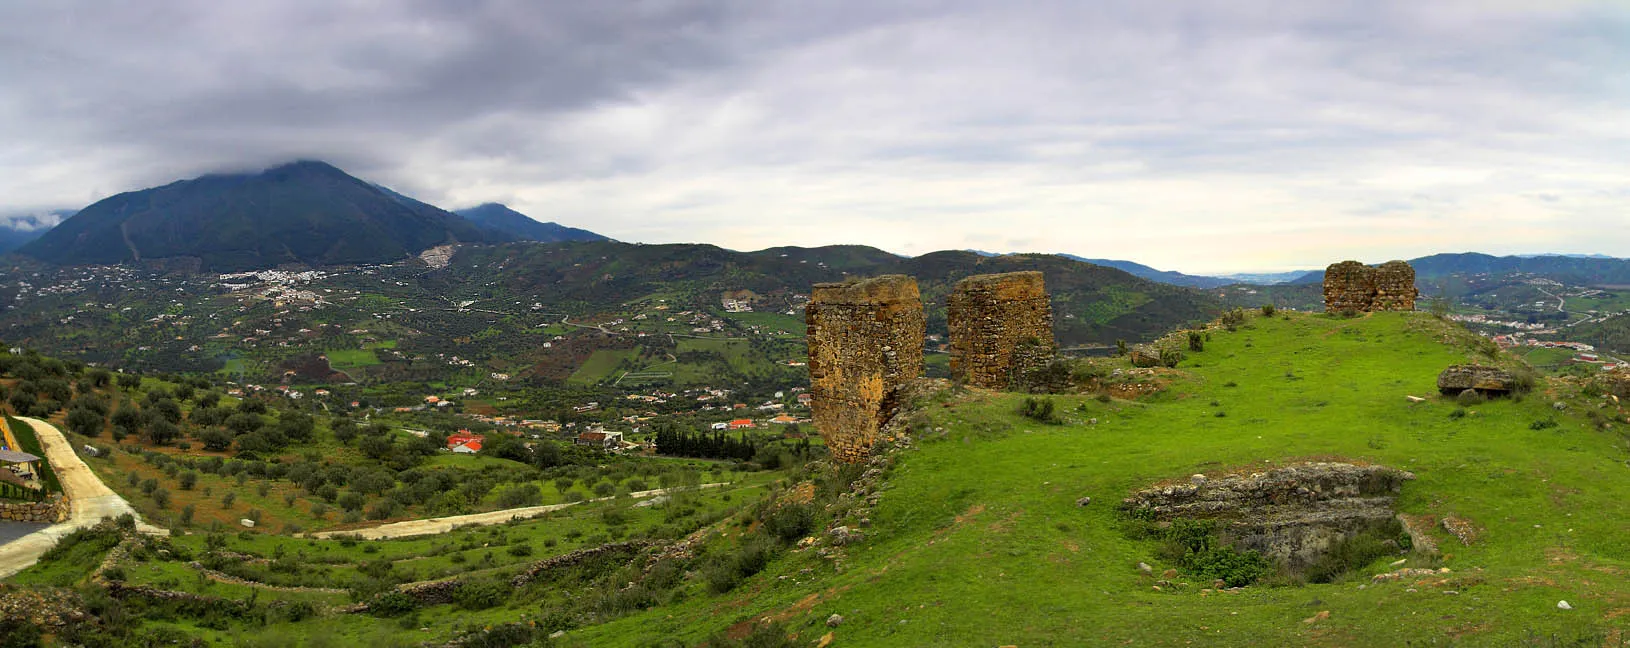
[1351, 285]
[999, 324]
[865, 342]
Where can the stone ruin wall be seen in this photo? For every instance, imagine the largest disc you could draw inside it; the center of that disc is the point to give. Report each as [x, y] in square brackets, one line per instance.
[1351, 285]
[990, 318]
[865, 341]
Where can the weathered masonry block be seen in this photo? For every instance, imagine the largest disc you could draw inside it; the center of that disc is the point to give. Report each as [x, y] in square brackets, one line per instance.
[1351, 285]
[865, 341]
[999, 323]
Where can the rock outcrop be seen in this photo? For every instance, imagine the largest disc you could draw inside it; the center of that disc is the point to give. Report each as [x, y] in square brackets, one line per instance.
[1351, 285]
[999, 324]
[1291, 515]
[1488, 381]
[865, 341]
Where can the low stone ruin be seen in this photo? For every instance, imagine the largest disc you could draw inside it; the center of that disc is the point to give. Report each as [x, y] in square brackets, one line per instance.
[1488, 381]
[1291, 515]
[865, 341]
[1350, 285]
[999, 324]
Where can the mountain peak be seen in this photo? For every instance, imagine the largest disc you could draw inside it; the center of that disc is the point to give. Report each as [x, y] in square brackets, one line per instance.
[306, 211]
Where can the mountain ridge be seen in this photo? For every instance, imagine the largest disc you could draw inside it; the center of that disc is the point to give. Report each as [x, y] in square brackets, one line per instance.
[306, 212]
[498, 216]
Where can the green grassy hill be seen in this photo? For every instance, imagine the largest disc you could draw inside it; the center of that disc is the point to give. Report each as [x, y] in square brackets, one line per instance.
[977, 539]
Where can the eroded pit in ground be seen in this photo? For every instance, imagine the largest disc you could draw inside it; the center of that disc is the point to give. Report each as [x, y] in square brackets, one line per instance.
[1293, 515]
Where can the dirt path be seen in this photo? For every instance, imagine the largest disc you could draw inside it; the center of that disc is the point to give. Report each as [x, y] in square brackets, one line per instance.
[92, 501]
[443, 525]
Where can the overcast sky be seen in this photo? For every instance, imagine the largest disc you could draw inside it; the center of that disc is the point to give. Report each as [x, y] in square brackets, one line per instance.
[1196, 136]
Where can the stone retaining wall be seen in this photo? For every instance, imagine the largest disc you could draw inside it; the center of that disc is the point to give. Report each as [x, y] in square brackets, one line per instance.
[51, 511]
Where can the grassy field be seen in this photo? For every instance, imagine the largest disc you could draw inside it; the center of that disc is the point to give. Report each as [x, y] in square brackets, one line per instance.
[344, 359]
[601, 365]
[1551, 358]
[978, 540]
[772, 323]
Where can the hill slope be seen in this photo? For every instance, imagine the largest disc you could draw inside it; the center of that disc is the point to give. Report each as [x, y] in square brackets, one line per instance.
[977, 539]
[520, 226]
[304, 212]
[1092, 304]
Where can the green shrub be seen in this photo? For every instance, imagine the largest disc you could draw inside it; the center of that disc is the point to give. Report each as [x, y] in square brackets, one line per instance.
[729, 570]
[1268, 310]
[1197, 341]
[1458, 412]
[392, 603]
[479, 595]
[1542, 424]
[1039, 409]
[1194, 546]
[1237, 568]
[790, 522]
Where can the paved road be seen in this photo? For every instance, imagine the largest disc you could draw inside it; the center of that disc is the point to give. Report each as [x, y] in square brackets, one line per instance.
[13, 530]
[443, 525]
[92, 501]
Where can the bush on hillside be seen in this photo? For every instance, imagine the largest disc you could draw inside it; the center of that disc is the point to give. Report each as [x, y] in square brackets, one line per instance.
[1039, 409]
[479, 595]
[790, 522]
[392, 603]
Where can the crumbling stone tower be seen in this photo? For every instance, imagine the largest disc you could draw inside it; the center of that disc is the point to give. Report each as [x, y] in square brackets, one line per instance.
[999, 323]
[1353, 285]
[865, 341]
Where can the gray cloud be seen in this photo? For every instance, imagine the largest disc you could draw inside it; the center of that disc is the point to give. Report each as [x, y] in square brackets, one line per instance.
[1196, 136]
[33, 221]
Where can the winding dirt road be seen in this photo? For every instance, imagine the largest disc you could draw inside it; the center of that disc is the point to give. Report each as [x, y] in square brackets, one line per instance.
[443, 525]
[92, 500]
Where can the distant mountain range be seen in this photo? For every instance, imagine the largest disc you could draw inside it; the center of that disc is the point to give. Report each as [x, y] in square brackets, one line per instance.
[1162, 276]
[1569, 268]
[305, 212]
[502, 218]
[1139, 270]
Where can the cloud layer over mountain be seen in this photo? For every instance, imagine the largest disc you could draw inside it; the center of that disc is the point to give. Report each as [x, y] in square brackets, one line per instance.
[1206, 136]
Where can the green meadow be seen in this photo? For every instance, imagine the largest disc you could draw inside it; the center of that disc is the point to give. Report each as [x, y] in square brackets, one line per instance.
[977, 539]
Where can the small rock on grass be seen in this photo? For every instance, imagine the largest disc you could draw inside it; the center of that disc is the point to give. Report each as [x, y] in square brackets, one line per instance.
[1563, 605]
[1146, 569]
[834, 621]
